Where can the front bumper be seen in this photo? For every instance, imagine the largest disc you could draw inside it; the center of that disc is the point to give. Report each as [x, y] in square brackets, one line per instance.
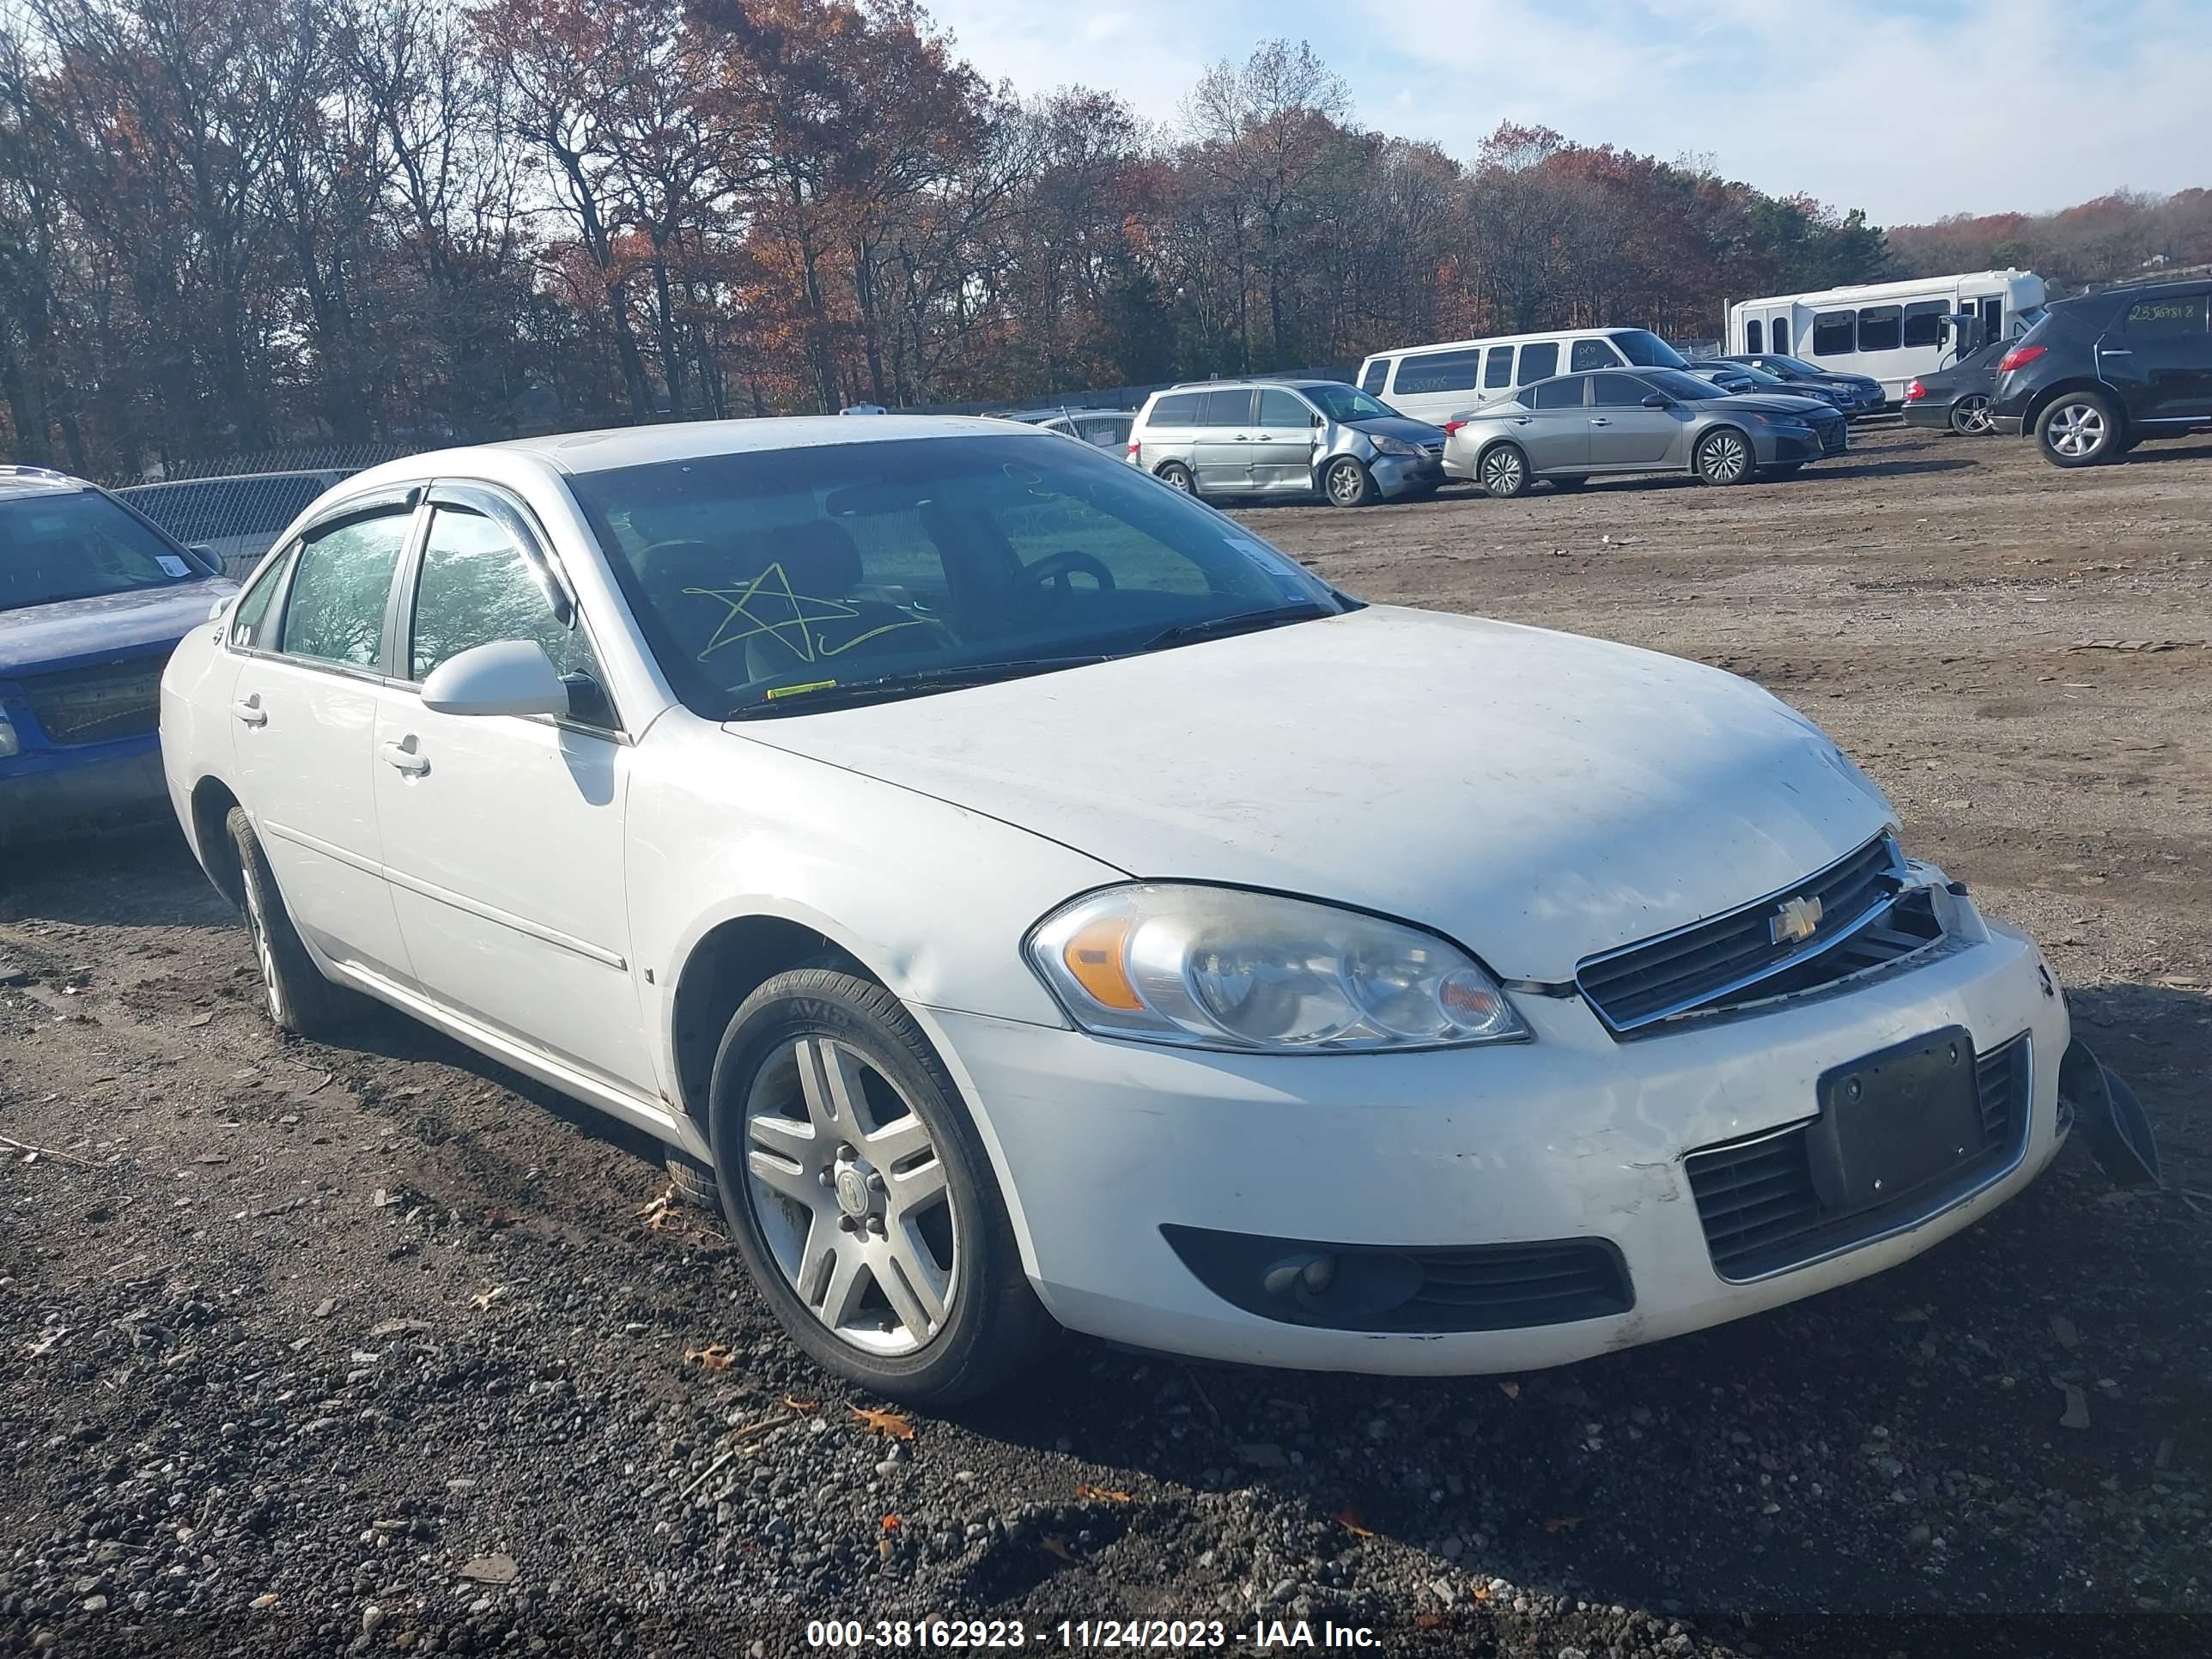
[50, 791]
[1574, 1136]
[1405, 475]
[1792, 449]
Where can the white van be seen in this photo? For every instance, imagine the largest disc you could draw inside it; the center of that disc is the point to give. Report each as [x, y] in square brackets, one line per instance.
[1433, 383]
[1889, 332]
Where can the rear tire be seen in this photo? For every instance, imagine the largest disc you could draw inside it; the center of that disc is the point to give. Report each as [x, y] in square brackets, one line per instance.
[1725, 458]
[2078, 428]
[858, 1193]
[1503, 471]
[1346, 482]
[1175, 476]
[1969, 417]
[300, 1001]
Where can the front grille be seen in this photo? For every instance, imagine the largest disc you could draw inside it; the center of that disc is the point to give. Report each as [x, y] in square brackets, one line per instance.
[1434, 452]
[1833, 439]
[1760, 1212]
[98, 704]
[1734, 958]
[1478, 1287]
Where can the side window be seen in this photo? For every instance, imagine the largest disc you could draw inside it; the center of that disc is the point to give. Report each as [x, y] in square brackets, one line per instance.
[1923, 322]
[1438, 371]
[1618, 391]
[1751, 335]
[1283, 411]
[476, 587]
[335, 609]
[1832, 332]
[1230, 409]
[2176, 314]
[252, 627]
[1372, 377]
[1539, 362]
[1781, 338]
[1564, 393]
[1880, 328]
[1593, 354]
[1179, 409]
[1497, 367]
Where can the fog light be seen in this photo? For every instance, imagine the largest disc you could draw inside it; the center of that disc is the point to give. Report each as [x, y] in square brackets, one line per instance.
[1320, 1273]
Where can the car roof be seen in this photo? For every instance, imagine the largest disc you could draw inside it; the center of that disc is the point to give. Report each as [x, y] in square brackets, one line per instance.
[330, 474]
[18, 481]
[1538, 337]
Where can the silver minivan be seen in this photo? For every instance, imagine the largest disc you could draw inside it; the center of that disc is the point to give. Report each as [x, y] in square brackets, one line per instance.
[1286, 437]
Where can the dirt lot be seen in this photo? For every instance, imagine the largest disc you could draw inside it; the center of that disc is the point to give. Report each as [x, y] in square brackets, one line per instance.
[311, 1348]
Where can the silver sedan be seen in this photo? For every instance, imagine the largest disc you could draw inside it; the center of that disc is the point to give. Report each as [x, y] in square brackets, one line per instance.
[1572, 427]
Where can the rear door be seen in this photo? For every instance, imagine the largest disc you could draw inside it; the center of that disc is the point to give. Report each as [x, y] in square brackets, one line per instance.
[1220, 454]
[2159, 357]
[1622, 432]
[303, 711]
[503, 835]
[1282, 440]
[1557, 436]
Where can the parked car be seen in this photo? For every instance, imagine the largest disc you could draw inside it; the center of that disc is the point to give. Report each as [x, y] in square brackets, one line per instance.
[93, 598]
[1105, 429]
[236, 518]
[2103, 372]
[1569, 429]
[1860, 394]
[1433, 382]
[1732, 376]
[1957, 398]
[1017, 893]
[1286, 437]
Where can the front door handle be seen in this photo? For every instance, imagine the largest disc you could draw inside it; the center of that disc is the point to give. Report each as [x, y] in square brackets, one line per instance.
[1521, 420]
[2114, 351]
[250, 711]
[402, 757]
[1600, 420]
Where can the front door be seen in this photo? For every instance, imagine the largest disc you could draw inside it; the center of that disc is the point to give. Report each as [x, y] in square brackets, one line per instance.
[503, 835]
[303, 710]
[1556, 435]
[1622, 432]
[2160, 358]
[1221, 458]
[1282, 433]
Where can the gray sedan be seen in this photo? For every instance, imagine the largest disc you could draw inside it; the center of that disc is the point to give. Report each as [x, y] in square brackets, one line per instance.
[1570, 429]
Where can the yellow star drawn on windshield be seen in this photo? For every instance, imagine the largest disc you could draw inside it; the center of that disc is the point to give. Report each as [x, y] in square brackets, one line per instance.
[795, 631]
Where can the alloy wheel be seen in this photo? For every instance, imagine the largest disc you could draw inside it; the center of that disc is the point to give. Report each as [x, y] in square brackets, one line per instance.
[1970, 416]
[2076, 430]
[850, 1196]
[1346, 486]
[1726, 458]
[1501, 471]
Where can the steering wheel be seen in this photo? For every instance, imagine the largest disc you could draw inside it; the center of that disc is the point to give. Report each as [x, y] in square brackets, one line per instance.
[1057, 568]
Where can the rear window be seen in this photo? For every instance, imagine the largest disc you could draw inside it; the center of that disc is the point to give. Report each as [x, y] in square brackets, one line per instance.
[79, 546]
[1559, 394]
[1497, 367]
[1540, 362]
[1438, 371]
[1176, 409]
[1225, 408]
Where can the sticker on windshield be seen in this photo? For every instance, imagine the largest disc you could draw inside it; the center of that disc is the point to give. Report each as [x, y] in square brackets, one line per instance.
[173, 564]
[1272, 563]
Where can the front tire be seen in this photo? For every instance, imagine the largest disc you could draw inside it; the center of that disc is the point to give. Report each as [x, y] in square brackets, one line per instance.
[1346, 482]
[2078, 428]
[1725, 458]
[1969, 417]
[859, 1195]
[1503, 471]
[300, 1001]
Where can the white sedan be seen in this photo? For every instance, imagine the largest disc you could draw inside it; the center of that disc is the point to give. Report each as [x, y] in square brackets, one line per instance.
[1016, 894]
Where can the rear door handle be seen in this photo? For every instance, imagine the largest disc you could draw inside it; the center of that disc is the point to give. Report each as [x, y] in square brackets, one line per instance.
[2114, 351]
[403, 758]
[250, 711]
[1600, 420]
[1521, 420]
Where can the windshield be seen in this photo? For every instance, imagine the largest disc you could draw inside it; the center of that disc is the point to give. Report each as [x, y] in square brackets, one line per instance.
[78, 546]
[1346, 402]
[1675, 383]
[1646, 349]
[776, 574]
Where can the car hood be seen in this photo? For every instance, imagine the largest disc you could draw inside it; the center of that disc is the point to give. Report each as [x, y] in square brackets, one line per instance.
[1537, 796]
[45, 635]
[1399, 426]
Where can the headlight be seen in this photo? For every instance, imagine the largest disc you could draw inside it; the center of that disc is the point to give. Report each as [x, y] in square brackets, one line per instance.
[1384, 446]
[1220, 968]
[8, 745]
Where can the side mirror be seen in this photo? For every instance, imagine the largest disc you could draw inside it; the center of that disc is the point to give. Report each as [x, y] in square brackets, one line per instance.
[1319, 421]
[1657, 400]
[508, 677]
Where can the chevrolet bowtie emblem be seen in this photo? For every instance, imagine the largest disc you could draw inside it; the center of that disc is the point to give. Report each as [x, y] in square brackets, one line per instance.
[1798, 919]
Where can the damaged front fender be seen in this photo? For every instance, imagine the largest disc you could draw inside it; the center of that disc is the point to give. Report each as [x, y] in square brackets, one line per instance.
[2107, 1112]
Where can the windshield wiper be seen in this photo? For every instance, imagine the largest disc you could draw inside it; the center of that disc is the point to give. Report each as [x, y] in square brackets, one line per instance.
[843, 693]
[1239, 622]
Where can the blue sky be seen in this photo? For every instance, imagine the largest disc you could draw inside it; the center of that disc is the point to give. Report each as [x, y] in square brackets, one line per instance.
[1909, 110]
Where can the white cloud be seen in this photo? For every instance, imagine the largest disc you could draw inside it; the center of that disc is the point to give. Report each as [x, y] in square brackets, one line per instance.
[1907, 110]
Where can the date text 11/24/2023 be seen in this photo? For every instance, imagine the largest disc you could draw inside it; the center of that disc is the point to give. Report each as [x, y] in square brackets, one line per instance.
[1086, 1635]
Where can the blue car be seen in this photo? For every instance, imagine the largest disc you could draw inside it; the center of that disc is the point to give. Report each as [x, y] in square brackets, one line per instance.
[93, 598]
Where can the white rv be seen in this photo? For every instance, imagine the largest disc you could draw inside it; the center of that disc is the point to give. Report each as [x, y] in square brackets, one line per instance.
[1889, 332]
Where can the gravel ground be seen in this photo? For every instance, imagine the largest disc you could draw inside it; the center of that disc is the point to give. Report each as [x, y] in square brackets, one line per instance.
[381, 1349]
